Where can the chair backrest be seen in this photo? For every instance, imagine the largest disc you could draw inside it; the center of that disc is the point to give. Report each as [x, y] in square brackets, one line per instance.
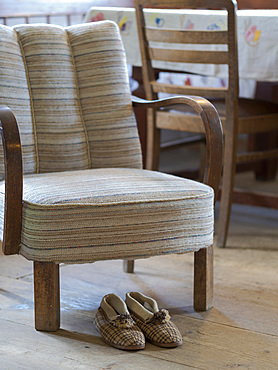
[69, 90]
[157, 44]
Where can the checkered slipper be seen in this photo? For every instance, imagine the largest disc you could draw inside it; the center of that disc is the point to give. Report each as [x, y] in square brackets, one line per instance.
[116, 326]
[154, 323]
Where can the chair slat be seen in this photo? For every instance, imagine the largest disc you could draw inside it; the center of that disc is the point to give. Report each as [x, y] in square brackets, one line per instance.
[189, 90]
[190, 37]
[189, 56]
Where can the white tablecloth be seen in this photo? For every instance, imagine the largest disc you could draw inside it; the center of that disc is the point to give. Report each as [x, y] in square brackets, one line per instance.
[257, 37]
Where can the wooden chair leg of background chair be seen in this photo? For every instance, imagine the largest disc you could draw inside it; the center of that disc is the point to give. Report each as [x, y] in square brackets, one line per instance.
[46, 296]
[202, 162]
[129, 266]
[153, 142]
[229, 168]
[203, 279]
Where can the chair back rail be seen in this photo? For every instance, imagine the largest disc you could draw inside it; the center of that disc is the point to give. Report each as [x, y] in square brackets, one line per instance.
[183, 36]
[188, 90]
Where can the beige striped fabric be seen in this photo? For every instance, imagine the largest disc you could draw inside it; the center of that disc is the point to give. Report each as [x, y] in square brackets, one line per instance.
[103, 83]
[14, 93]
[68, 88]
[99, 214]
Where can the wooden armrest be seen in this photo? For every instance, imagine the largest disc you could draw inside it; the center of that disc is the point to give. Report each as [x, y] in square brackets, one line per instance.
[13, 181]
[213, 131]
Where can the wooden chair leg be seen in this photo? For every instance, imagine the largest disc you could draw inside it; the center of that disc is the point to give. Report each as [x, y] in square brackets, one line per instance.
[203, 279]
[202, 161]
[129, 266]
[153, 142]
[228, 178]
[46, 296]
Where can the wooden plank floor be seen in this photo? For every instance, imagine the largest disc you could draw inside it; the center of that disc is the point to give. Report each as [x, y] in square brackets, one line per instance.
[240, 331]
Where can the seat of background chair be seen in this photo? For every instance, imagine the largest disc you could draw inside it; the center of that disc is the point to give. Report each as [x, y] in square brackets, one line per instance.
[86, 215]
[247, 108]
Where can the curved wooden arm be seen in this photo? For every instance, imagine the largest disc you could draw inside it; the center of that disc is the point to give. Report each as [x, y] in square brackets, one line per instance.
[213, 131]
[13, 181]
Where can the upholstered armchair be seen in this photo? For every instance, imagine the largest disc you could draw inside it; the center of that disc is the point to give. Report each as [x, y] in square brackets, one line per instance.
[73, 189]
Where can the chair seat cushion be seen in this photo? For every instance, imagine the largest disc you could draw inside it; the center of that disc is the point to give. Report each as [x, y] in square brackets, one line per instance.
[119, 213]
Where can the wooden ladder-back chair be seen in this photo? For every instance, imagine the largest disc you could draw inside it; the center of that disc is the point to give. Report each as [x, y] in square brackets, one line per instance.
[238, 116]
[73, 189]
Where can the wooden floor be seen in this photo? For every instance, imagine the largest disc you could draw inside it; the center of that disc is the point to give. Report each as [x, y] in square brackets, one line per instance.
[240, 331]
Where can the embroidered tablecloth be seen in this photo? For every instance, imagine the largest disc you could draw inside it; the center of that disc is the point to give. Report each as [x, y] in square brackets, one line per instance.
[257, 37]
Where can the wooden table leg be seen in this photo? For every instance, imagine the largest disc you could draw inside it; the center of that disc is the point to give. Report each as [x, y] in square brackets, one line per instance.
[265, 170]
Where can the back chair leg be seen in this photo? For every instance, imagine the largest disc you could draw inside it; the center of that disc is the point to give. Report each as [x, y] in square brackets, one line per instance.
[153, 142]
[203, 279]
[129, 266]
[46, 296]
[229, 168]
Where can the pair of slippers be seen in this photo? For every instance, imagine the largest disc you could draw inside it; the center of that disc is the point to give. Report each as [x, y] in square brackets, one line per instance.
[127, 325]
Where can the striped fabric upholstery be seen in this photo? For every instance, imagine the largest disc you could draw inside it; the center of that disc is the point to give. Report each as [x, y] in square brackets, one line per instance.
[92, 215]
[86, 197]
[103, 83]
[14, 93]
[68, 88]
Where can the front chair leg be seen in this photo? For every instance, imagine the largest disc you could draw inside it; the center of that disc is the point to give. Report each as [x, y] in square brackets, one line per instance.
[46, 296]
[203, 279]
[129, 266]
